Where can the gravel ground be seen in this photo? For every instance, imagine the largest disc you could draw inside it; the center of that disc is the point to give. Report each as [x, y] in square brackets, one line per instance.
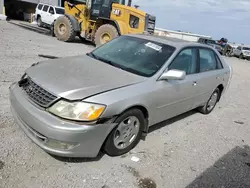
[191, 150]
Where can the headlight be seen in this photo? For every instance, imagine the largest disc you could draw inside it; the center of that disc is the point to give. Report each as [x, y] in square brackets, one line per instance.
[79, 111]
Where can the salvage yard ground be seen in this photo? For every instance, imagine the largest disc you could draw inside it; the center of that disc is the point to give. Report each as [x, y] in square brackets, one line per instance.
[191, 150]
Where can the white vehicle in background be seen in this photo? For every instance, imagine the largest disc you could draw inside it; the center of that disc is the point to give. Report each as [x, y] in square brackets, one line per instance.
[243, 52]
[46, 14]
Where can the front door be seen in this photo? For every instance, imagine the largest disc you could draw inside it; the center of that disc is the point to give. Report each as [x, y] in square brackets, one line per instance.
[175, 97]
[101, 8]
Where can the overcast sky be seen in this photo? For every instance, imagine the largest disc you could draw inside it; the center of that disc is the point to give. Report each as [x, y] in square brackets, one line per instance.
[216, 18]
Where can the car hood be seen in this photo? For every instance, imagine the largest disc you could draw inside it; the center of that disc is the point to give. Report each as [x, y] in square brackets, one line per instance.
[79, 77]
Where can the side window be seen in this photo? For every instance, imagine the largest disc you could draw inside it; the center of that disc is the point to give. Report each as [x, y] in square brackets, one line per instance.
[186, 61]
[51, 10]
[133, 21]
[40, 6]
[45, 8]
[239, 48]
[219, 64]
[207, 60]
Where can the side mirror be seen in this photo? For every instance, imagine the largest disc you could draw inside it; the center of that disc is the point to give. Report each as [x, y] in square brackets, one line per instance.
[173, 75]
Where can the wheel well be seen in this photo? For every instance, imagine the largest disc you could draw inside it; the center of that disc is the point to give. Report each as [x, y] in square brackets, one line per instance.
[221, 88]
[142, 108]
[111, 22]
[38, 16]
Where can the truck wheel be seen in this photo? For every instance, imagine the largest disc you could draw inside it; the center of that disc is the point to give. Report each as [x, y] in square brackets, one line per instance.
[64, 30]
[39, 22]
[105, 33]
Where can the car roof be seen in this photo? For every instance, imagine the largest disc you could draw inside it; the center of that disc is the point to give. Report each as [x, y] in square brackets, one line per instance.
[49, 5]
[177, 43]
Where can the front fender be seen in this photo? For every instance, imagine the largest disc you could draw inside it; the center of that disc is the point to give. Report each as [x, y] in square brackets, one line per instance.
[74, 22]
[123, 28]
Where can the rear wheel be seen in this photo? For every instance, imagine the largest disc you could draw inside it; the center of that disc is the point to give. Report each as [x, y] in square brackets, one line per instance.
[211, 103]
[39, 22]
[64, 30]
[127, 134]
[105, 33]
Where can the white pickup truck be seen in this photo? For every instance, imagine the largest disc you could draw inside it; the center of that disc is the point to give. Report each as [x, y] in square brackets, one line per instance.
[243, 52]
[46, 14]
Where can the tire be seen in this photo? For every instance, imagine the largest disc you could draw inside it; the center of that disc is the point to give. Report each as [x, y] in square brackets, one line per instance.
[107, 31]
[39, 22]
[241, 56]
[82, 39]
[206, 108]
[64, 30]
[52, 29]
[111, 146]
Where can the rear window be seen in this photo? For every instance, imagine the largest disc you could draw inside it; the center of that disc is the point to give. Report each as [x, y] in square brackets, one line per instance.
[45, 8]
[40, 6]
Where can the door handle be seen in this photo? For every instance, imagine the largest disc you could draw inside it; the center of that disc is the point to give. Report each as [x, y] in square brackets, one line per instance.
[194, 83]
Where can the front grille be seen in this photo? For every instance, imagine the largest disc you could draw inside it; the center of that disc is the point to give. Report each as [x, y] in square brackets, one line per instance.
[150, 24]
[37, 94]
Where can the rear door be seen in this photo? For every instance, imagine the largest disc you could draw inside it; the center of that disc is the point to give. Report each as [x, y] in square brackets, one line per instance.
[44, 13]
[211, 74]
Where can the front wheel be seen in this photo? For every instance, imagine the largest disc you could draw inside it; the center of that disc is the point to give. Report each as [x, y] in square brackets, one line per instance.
[127, 134]
[105, 33]
[211, 103]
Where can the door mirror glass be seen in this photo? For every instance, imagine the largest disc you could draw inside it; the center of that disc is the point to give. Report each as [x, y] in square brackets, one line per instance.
[173, 75]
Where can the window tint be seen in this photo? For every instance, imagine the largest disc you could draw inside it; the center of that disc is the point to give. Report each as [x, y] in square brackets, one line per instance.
[51, 10]
[40, 6]
[245, 48]
[45, 8]
[219, 64]
[59, 10]
[186, 61]
[207, 60]
[134, 21]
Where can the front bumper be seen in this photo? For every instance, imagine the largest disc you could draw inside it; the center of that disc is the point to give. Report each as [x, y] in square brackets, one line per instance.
[245, 56]
[43, 129]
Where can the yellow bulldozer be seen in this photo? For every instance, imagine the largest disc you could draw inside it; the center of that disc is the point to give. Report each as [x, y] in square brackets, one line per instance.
[100, 21]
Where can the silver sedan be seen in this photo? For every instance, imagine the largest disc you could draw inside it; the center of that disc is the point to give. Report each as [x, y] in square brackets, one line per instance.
[107, 99]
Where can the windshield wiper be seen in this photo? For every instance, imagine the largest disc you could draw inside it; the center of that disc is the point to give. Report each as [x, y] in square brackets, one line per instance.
[106, 61]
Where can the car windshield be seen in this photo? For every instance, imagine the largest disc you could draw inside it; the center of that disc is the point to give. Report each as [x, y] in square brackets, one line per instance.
[246, 48]
[59, 10]
[139, 56]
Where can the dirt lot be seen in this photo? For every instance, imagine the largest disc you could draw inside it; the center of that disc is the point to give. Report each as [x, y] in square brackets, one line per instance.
[191, 150]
